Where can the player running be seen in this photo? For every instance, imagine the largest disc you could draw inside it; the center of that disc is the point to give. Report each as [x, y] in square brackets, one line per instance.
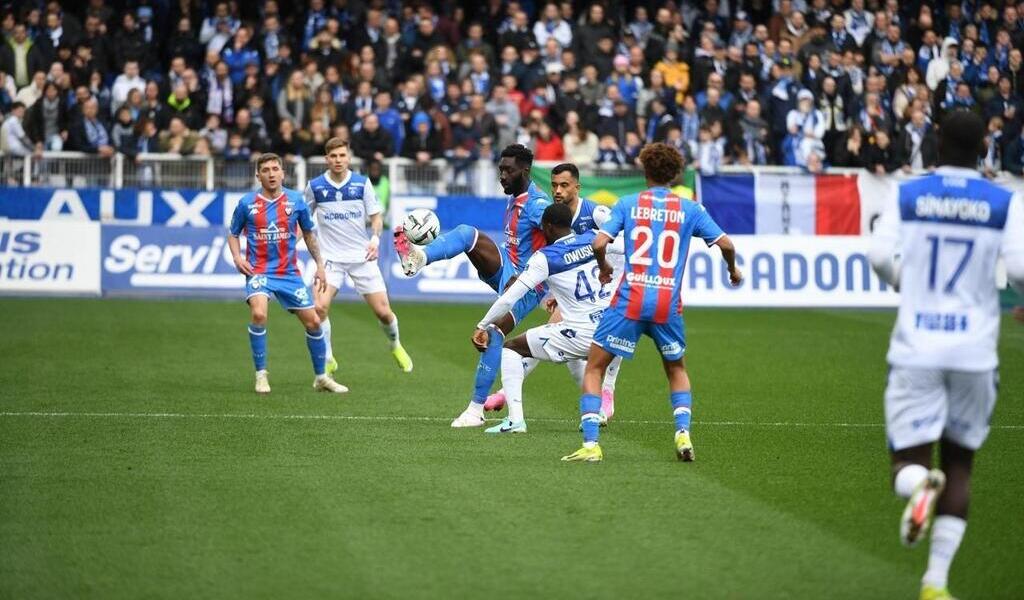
[587, 215]
[568, 268]
[496, 265]
[938, 242]
[656, 226]
[342, 201]
[271, 220]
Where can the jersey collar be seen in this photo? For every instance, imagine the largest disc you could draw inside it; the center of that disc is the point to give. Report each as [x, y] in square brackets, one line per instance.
[565, 237]
[579, 209]
[259, 194]
[958, 172]
[337, 186]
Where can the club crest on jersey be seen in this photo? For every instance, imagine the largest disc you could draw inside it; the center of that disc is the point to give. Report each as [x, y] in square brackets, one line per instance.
[288, 208]
[339, 196]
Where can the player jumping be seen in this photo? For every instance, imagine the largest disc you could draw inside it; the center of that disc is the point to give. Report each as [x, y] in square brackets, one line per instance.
[938, 241]
[587, 215]
[567, 266]
[496, 265]
[657, 226]
[271, 219]
[342, 201]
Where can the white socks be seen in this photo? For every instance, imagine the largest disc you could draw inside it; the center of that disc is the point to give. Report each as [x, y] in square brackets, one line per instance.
[576, 368]
[611, 374]
[391, 330]
[325, 326]
[947, 531]
[908, 478]
[512, 374]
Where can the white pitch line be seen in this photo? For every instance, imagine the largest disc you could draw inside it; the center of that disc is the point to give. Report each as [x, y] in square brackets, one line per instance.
[273, 417]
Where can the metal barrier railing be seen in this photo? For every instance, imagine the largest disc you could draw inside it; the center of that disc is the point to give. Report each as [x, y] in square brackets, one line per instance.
[408, 177]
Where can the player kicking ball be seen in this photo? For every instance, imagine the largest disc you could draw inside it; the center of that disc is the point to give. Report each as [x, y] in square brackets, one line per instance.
[343, 201]
[938, 242]
[656, 226]
[587, 215]
[568, 268]
[270, 219]
[496, 266]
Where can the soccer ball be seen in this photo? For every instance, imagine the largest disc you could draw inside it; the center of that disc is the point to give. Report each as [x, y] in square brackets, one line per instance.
[421, 226]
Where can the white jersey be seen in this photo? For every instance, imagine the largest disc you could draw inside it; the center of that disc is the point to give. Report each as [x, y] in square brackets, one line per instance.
[571, 273]
[341, 213]
[948, 230]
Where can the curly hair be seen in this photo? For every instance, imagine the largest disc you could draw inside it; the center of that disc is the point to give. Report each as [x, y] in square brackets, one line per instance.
[661, 162]
[522, 154]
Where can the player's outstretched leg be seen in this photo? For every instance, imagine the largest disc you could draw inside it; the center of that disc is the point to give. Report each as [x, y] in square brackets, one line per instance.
[486, 373]
[450, 244]
[317, 345]
[921, 486]
[496, 401]
[608, 390]
[258, 341]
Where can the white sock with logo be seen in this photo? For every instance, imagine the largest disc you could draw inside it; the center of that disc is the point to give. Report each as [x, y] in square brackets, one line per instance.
[512, 375]
[611, 374]
[391, 330]
[908, 478]
[576, 368]
[325, 326]
[947, 532]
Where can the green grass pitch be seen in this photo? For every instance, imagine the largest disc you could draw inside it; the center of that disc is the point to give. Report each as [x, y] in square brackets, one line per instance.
[136, 462]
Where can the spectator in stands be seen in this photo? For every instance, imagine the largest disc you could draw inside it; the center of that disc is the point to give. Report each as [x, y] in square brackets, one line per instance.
[33, 91]
[390, 120]
[128, 80]
[288, 141]
[218, 28]
[213, 133]
[675, 72]
[424, 144]
[371, 141]
[239, 54]
[47, 122]
[619, 123]
[1007, 105]
[917, 147]
[548, 144]
[881, 156]
[122, 133]
[179, 138]
[130, 44]
[89, 133]
[609, 153]
[180, 104]
[806, 126]
[506, 115]
[21, 57]
[580, 143]
[13, 139]
[710, 149]
[552, 26]
[293, 102]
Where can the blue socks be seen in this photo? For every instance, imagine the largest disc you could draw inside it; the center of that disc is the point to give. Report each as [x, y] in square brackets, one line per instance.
[490, 364]
[316, 341]
[258, 343]
[681, 403]
[451, 244]
[590, 421]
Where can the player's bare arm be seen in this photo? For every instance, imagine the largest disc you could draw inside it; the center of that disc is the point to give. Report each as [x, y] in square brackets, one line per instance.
[377, 226]
[320, 279]
[601, 254]
[729, 255]
[241, 264]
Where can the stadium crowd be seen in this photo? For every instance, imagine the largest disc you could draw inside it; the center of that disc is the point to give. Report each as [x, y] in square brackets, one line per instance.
[795, 82]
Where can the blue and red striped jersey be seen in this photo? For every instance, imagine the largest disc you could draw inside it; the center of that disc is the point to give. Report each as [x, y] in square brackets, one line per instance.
[523, 235]
[657, 227]
[271, 230]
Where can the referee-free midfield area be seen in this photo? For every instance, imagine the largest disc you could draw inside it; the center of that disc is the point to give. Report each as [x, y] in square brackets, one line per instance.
[135, 460]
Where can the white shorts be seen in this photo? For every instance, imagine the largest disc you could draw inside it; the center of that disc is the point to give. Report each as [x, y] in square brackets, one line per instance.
[365, 276]
[559, 342]
[924, 405]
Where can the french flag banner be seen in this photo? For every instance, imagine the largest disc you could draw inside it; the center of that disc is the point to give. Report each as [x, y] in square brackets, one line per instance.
[784, 204]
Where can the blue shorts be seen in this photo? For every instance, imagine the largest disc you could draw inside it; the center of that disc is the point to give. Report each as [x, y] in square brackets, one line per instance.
[500, 280]
[290, 290]
[619, 335]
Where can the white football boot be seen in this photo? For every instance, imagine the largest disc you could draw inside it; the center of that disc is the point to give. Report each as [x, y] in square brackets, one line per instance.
[412, 256]
[917, 516]
[262, 383]
[468, 418]
[324, 383]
